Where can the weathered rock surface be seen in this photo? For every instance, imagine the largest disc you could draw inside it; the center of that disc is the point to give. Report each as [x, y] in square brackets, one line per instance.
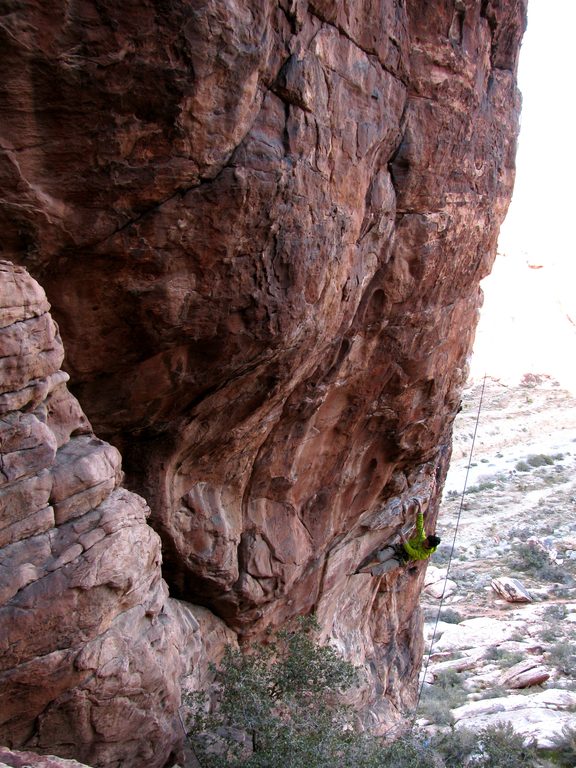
[12, 759]
[480, 631]
[538, 716]
[512, 590]
[262, 228]
[92, 652]
[525, 674]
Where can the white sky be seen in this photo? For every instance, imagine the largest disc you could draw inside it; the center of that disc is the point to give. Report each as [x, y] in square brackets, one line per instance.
[540, 217]
[528, 322]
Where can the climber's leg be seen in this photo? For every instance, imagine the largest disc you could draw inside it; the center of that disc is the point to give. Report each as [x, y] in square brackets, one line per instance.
[389, 565]
[385, 554]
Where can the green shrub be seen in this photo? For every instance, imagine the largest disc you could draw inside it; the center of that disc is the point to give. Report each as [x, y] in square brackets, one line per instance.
[492, 747]
[501, 747]
[445, 694]
[564, 751]
[549, 634]
[531, 559]
[485, 485]
[540, 460]
[554, 612]
[562, 655]
[280, 706]
[521, 533]
[508, 658]
[450, 616]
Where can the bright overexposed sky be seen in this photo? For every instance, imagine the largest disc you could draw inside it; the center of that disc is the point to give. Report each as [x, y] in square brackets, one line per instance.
[528, 322]
[543, 203]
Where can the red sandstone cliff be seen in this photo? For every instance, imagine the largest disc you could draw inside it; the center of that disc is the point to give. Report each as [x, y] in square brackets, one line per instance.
[92, 651]
[261, 228]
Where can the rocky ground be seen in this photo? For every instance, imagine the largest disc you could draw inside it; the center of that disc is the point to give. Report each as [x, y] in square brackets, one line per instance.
[493, 659]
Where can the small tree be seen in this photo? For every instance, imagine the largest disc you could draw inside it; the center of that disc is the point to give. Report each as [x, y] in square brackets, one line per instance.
[280, 705]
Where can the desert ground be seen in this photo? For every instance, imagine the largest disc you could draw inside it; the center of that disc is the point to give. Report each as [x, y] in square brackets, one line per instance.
[509, 513]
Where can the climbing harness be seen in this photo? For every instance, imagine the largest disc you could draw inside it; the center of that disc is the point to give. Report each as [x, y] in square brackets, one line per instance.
[433, 638]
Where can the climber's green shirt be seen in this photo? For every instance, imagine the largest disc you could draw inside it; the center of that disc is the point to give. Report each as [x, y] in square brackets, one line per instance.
[414, 547]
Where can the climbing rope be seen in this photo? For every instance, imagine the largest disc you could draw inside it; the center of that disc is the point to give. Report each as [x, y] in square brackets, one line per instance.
[433, 638]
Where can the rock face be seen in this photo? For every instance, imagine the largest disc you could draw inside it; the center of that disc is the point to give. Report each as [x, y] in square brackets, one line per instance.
[11, 759]
[91, 649]
[261, 228]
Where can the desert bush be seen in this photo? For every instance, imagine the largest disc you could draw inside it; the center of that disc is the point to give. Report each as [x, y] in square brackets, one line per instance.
[492, 747]
[554, 612]
[486, 485]
[540, 460]
[562, 655]
[508, 658]
[563, 753]
[445, 694]
[564, 592]
[532, 560]
[522, 533]
[549, 634]
[450, 616]
[280, 705]
[501, 747]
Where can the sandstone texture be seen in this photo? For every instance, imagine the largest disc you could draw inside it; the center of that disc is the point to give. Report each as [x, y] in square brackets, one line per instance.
[261, 227]
[92, 651]
[12, 759]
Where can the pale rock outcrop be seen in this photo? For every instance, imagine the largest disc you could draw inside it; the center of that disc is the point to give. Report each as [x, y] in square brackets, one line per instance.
[262, 227]
[512, 590]
[474, 633]
[538, 716]
[437, 584]
[92, 651]
[525, 674]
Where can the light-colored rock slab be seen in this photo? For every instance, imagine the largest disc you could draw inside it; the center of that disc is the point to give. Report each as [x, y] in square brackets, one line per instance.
[512, 590]
[525, 674]
[472, 633]
[442, 588]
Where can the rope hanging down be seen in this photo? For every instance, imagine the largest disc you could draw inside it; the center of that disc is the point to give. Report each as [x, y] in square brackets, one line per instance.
[433, 638]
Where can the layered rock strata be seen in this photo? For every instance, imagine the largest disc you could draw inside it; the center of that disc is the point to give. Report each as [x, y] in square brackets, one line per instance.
[92, 652]
[262, 228]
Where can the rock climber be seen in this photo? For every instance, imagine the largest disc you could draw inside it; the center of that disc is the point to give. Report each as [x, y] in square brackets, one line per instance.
[417, 547]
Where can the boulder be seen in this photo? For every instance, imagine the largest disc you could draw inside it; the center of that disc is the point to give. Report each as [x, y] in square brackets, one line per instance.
[525, 674]
[512, 590]
[441, 589]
